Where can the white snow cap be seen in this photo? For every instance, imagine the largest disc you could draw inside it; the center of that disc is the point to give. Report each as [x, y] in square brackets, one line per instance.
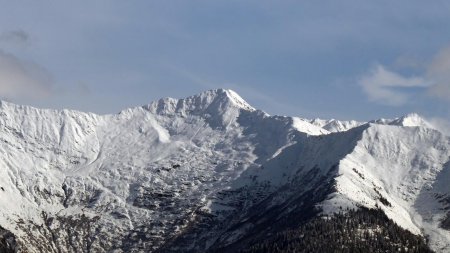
[333, 125]
[216, 100]
[238, 100]
[412, 120]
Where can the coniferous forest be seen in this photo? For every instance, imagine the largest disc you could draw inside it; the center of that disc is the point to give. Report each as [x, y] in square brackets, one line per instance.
[364, 230]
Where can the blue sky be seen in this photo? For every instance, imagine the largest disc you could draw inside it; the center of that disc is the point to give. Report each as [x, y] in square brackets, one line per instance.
[330, 59]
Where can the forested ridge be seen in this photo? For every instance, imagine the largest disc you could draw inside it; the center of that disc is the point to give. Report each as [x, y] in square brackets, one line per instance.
[364, 230]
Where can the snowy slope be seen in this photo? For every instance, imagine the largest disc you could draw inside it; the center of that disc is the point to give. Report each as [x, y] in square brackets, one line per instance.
[403, 167]
[192, 173]
[334, 125]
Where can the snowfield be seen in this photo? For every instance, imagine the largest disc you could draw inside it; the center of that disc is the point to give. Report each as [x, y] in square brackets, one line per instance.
[200, 173]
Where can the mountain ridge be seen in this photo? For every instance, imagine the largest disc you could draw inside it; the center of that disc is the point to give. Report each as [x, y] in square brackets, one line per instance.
[195, 172]
[221, 98]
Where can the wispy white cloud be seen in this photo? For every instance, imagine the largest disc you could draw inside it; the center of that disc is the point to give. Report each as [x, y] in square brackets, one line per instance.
[22, 80]
[385, 87]
[440, 124]
[438, 73]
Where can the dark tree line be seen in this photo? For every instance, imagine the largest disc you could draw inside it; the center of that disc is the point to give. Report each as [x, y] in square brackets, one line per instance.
[363, 230]
[7, 241]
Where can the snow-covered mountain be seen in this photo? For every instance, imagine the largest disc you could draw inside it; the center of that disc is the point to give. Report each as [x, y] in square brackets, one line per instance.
[333, 125]
[208, 173]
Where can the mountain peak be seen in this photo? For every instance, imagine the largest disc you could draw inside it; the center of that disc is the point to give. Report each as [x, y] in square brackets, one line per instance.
[411, 120]
[220, 107]
[222, 96]
[215, 101]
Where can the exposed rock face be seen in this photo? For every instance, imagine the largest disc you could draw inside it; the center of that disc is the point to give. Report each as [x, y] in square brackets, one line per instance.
[207, 173]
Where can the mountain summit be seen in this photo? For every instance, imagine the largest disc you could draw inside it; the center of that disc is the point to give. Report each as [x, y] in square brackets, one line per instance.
[216, 101]
[411, 120]
[210, 173]
[221, 105]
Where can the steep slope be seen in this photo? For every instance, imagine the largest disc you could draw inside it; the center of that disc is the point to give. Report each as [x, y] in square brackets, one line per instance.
[375, 166]
[208, 172]
[391, 168]
[144, 167]
[362, 230]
